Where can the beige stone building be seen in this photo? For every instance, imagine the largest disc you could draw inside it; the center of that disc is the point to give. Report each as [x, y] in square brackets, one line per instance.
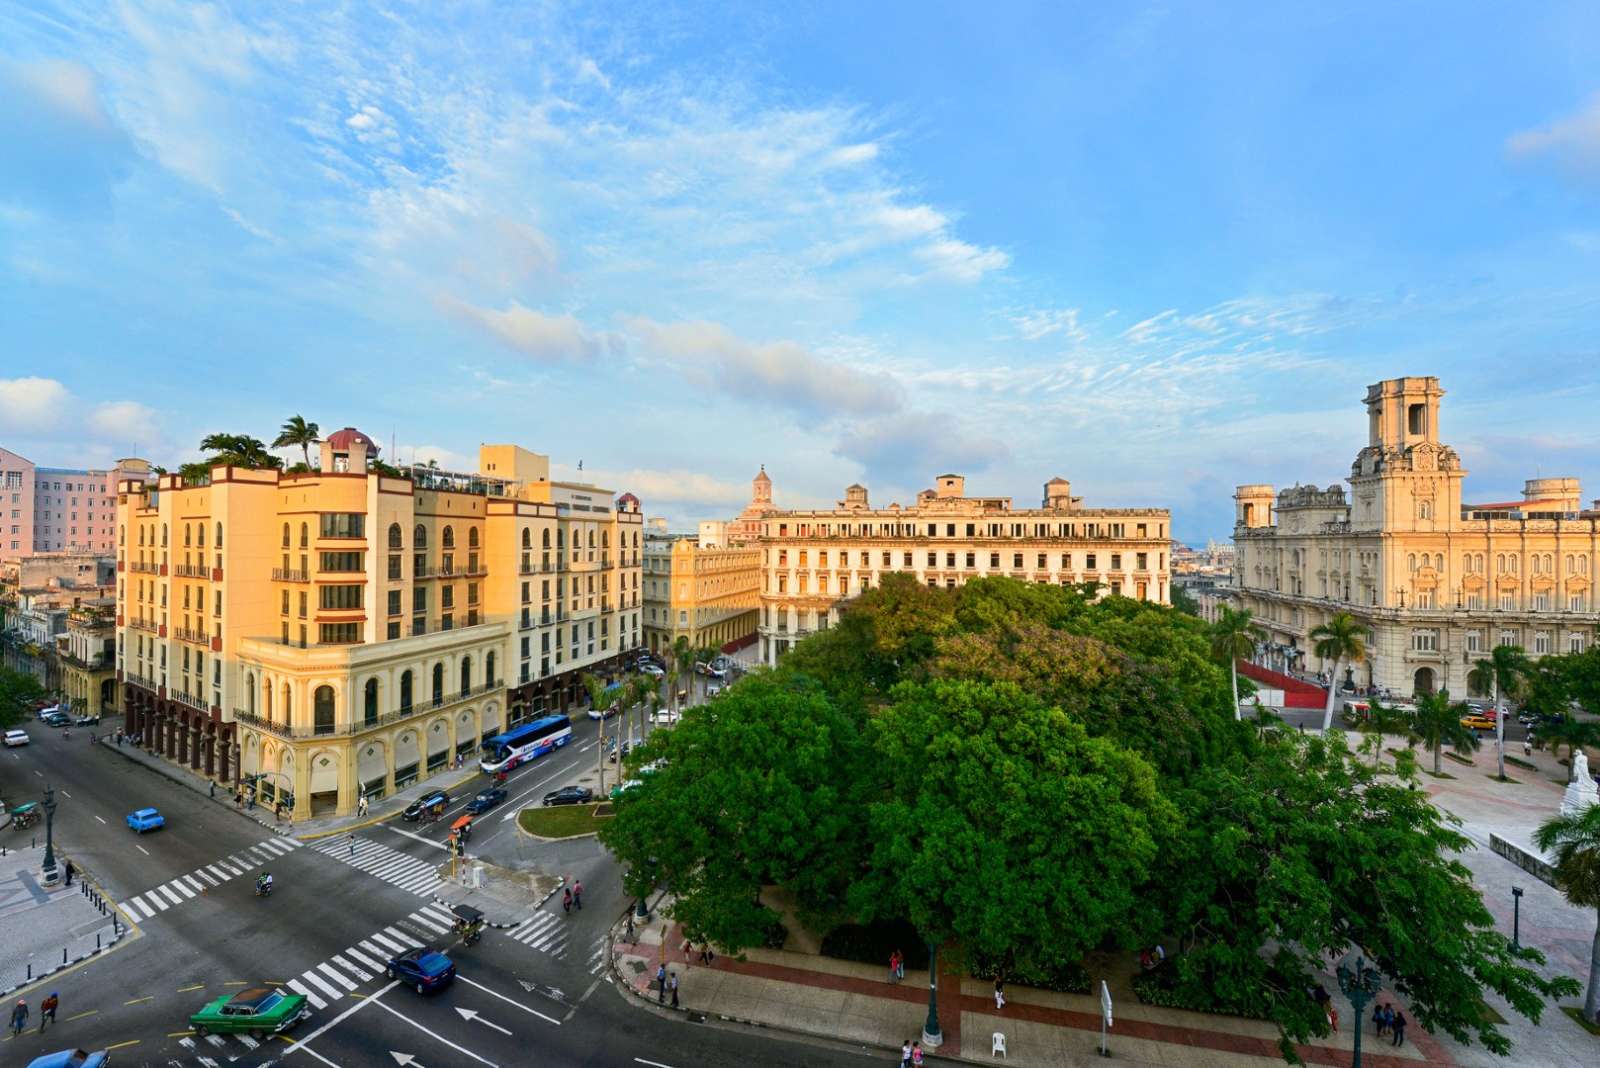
[812, 560]
[1437, 582]
[699, 589]
[346, 632]
[87, 652]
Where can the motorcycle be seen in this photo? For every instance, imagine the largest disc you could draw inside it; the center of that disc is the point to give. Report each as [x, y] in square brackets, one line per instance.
[263, 889]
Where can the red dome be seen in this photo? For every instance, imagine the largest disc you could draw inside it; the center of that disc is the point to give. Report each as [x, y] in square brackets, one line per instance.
[341, 440]
[626, 501]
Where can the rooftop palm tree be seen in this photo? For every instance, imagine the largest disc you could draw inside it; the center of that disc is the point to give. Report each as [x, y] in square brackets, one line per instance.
[1233, 638]
[296, 431]
[1573, 733]
[1574, 842]
[1340, 639]
[1504, 671]
[1437, 723]
[238, 450]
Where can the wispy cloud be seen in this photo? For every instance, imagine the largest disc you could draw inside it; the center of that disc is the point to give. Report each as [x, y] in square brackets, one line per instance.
[533, 333]
[1573, 141]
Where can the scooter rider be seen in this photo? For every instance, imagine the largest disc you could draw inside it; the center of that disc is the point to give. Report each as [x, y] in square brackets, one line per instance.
[264, 883]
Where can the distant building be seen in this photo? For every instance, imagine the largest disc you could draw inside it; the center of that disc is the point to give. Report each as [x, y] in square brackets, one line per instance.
[88, 658]
[1437, 582]
[700, 590]
[57, 509]
[812, 560]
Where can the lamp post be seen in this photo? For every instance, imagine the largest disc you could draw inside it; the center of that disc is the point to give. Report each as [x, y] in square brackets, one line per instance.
[932, 1036]
[1516, 917]
[1360, 986]
[49, 835]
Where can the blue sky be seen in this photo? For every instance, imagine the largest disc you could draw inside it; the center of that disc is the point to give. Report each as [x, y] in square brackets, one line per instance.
[1156, 250]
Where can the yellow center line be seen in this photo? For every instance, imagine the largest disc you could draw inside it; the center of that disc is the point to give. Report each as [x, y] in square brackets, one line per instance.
[186, 989]
[81, 1015]
[119, 1045]
[136, 1001]
[179, 1034]
[237, 982]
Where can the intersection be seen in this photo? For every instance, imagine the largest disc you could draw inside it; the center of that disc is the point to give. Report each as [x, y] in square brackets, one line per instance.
[537, 991]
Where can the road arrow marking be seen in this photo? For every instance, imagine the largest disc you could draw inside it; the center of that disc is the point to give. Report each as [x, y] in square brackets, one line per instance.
[405, 1059]
[472, 1014]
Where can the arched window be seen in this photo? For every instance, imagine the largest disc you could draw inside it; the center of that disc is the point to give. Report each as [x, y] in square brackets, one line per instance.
[1438, 562]
[1500, 563]
[546, 538]
[200, 532]
[419, 537]
[405, 691]
[141, 535]
[188, 534]
[163, 535]
[250, 693]
[605, 539]
[1515, 565]
[322, 702]
[438, 680]
[266, 695]
[527, 538]
[305, 535]
[472, 537]
[1466, 562]
[286, 535]
[288, 704]
[591, 537]
[449, 539]
[219, 535]
[488, 669]
[394, 536]
[369, 702]
[1425, 510]
[1411, 561]
[466, 675]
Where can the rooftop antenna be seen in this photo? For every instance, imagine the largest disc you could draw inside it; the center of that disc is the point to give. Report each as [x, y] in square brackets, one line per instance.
[580, 465]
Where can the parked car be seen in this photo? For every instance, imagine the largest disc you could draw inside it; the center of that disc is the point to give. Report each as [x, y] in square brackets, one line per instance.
[713, 690]
[47, 711]
[715, 672]
[654, 670]
[433, 799]
[422, 969]
[614, 754]
[55, 719]
[486, 800]
[146, 819]
[259, 1011]
[618, 791]
[72, 1058]
[1477, 722]
[16, 737]
[569, 795]
[87, 721]
[603, 713]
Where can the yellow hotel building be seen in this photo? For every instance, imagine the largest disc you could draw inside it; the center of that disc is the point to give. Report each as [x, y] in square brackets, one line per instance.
[694, 589]
[342, 632]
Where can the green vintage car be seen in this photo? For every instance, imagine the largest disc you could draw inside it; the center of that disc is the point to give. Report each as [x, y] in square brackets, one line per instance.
[259, 1011]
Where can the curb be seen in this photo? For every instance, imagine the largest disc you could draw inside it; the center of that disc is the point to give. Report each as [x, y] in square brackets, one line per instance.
[123, 930]
[442, 903]
[312, 836]
[275, 828]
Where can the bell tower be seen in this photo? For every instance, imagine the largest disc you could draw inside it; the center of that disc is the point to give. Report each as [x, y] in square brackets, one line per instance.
[1405, 479]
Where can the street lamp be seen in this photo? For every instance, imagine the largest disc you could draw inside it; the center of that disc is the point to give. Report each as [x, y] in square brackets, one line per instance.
[932, 1037]
[49, 835]
[1516, 917]
[1360, 986]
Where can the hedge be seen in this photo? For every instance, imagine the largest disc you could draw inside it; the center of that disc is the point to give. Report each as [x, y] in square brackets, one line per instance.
[1069, 977]
[1158, 987]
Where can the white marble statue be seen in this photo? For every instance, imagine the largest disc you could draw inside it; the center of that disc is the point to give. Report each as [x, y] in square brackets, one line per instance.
[1581, 791]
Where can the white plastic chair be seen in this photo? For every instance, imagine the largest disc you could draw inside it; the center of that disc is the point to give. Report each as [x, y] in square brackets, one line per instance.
[999, 1046]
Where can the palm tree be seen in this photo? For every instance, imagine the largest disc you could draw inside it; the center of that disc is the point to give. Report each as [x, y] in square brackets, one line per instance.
[1339, 639]
[597, 700]
[1504, 671]
[1574, 842]
[1573, 733]
[1233, 637]
[1381, 720]
[296, 431]
[684, 654]
[238, 450]
[1437, 723]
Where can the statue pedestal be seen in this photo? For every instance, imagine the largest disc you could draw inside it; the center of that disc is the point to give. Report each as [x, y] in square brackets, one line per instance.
[1581, 793]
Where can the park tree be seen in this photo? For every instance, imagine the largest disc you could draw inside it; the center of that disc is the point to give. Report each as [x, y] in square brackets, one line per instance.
[762, 787]
[1381, 720]
[1504, 672]
[1436, 723]
[19, 692]
[1572, 733]
[1340, 640]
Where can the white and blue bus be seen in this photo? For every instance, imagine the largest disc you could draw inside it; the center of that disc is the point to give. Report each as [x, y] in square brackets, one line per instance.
[522, 744]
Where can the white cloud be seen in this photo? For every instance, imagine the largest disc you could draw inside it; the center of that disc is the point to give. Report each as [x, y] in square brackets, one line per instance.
[33, 404]
[1574, 140]
[127, 422]
[908, 449]
[548, 338]
[780, 373]
[69, 87]
[658, 487]
[959, 261]
[447, 459]
[1044, 322]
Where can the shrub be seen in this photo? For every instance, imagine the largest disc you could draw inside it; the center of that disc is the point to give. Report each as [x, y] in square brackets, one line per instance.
[777, 934]
[1068, 977]
[1159, 987]
[872, 943]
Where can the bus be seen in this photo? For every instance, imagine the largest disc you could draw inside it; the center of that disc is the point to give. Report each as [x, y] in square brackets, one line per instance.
[521, 744]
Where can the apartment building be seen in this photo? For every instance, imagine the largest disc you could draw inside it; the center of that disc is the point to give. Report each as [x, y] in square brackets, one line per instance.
[347, 631]
[812, 560]
[1436, 581]
[87, 652]
[701, 590]
[58, 509]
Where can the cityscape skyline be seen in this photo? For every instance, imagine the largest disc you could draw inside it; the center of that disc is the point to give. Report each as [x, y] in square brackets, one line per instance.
[817, 256]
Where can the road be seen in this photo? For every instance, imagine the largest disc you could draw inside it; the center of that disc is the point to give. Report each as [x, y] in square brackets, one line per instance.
[535, 994]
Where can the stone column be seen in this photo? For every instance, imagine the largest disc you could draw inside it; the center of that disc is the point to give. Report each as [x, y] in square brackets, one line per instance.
[211, 750]
[302, 787]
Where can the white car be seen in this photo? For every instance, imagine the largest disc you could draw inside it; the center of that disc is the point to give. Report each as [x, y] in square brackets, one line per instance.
[713, 689]
[16, 738]
[610, 710]
[665, 715]
[655, 671]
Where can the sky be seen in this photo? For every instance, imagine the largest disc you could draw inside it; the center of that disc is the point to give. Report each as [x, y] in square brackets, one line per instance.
[1159, 250]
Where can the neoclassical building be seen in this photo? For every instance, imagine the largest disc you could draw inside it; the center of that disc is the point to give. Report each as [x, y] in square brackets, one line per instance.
[812, 560]
[349, 630]
[696, 589]
[1436, 581]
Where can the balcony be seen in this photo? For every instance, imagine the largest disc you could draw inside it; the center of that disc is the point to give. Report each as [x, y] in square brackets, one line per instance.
[144, 568]
[144, 624]
[388, 719]
[94, 663]
[140, 681]
[191, 571]
[285, 574]
[194, 637]
[189, 700]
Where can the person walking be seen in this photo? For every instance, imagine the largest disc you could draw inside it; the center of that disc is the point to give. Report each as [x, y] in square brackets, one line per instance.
[211, 788]
[70, 870]
[999, 994]
[894, 962]
[674, 980]
[628, 935]
[361, 806]
[351, 840]
[47, 1010]
[1399, 1028]
[707, 954]
[566, 900]
[899, 965]
[905, 1054]
[577, 895]
[1333, 1018]
[661, 983]
[1377, 1018]
[916, 1055]
[19, 1016]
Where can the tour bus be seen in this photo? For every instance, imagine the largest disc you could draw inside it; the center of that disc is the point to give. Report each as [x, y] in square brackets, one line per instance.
[522, 744]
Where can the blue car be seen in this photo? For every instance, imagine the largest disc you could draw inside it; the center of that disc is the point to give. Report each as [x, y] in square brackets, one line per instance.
[146, 819]
[72, 1058]
[422, 969]
[486, 800]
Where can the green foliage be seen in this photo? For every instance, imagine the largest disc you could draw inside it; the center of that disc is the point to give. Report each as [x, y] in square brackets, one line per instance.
[19, 692]
[1341, 639]
[1184, 602]
[871, 943]
[1066, 976]
[1574, 842]
[1437, 723]
[1162, 987]
[296, 431]
[237, 450]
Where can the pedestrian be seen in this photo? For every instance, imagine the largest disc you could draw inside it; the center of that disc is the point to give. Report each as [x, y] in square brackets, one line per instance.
[1377, 1018]
[1388, 1018]
[211, 788]
[566, 899]
[19, 1017]
[899, 964]
[999, 994]
[47, 1010]
[894, 963]
[238, 798]
[1399, 1028]
[577, 895]
[674, 989]
[70, 870]
[628, 935]
[1527, 746]
[352, 840]
[361, 806]
[661, 983]
[905, 1054]
[1333, 1018]
[916, 1055]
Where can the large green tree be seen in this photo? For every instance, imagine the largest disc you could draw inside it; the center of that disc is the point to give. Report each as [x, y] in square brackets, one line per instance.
[1233, 637]
[1341, 640]
[1574, 841]
[19, 692]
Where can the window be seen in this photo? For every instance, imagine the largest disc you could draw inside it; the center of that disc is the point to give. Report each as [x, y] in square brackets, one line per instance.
[449, 539]
[1425, 641]
[419, 537]
[1575, 643]
[342, 525]
[1474, 641]
[394, 631]
[395, 536]
[438, 684]
[419, 599]
[341, 561]
[1508, 637]
[339, 633]
[1508, 602]
[1575, 602]
[1088, 562]
[340, 598]
[405, 691]
[1541, 642]
[1541, 602]
[369, 701]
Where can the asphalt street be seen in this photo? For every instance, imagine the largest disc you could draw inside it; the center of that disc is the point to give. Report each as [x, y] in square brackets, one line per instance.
[535, 994]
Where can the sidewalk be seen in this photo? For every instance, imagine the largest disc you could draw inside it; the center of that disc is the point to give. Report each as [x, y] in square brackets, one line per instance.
[45, 929]
[506, 897]
[856, 1002]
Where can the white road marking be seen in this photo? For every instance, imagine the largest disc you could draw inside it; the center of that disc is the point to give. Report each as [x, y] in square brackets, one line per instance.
[249, 1043]
[511, 802]
[187, 893]
[176, 900]
[66, 795]
[473, 1015]
[102, 821]
[652, 1064]
[401, 936]
[392, 946]
[339, 977]
[152, 898]
[418, 837]
[495, 993]
[424, 1030]
[353, 969]
[141, 849]
[360, 1004]
[310, 976]
[216, 1040]
[310, 995]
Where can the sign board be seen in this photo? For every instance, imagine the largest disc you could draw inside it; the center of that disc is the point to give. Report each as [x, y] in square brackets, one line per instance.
[1105, 1002]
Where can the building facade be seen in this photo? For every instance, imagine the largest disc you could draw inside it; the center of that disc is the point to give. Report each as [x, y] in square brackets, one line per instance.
[345, 632]
[57, 509]
[1437, 582]
[88, 658]
[812, 560]
[700, 590]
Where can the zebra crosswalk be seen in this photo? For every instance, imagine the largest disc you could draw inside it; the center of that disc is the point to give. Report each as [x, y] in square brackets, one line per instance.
[177, 891]
[348, 970]
[392, 866]
[225, 1047]
[549, 933]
